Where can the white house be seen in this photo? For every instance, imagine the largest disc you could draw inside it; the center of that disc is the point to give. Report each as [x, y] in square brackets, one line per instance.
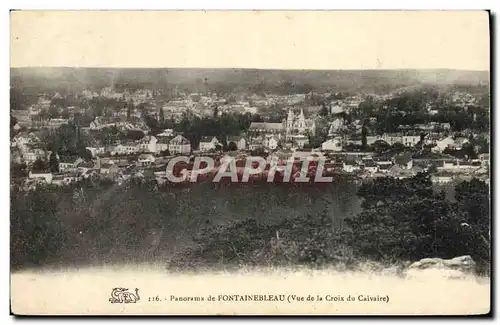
[42, 177]
[336, 126]
[300, 140]
[410, 140]
[125, 149]
[148, 144]
[272, 143]
[146, 159]
[208, 143]
[180, 145]
[404, 160]
[336, 109]
[370, 166]
[443, 144]
[95, 150]
[384, 166]
[459, 142]
[350, 167]
[441, 179]
[166, 133]
[334, 144]
[484, 158]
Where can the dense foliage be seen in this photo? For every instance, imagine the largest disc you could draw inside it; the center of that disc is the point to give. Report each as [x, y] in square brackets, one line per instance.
[229, 225]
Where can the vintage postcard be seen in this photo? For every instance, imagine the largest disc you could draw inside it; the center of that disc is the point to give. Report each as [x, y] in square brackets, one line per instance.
[250, 163]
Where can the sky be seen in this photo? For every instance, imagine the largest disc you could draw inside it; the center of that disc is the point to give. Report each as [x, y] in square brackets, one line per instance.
[252, 39]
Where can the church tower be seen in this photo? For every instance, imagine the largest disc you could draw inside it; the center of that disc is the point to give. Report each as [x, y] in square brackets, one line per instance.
[289, 123]
[302, 121]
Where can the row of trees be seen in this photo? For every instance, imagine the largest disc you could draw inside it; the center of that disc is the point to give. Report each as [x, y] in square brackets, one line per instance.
[221, 127]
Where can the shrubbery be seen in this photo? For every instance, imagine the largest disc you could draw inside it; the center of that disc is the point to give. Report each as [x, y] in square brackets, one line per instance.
[211, 225]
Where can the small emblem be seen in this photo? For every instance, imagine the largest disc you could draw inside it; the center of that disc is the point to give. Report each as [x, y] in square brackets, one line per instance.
[123, 295]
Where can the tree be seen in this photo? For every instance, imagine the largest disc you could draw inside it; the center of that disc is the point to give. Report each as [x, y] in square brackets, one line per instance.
[216, 111]
[18, 170]
[324, 110]
[13, 121]
[65, 114]
[165, 153]
[473, 198]
[364, 133]
[406, 220]
[54, 112]
[85, 154]
[53, 162]
[162, 116]
[39, 166]
[231, 146]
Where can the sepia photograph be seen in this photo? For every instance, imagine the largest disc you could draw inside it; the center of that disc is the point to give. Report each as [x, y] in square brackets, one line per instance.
[250, 162]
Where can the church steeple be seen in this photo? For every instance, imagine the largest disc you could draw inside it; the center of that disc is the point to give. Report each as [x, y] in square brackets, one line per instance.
[302, 120]
[301, 116]
[289, 120]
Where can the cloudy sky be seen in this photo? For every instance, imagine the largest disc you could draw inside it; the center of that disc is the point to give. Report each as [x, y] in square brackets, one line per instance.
[245, 39]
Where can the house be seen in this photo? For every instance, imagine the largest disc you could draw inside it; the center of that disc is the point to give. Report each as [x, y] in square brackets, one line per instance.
[336, 126]
[437, 179]
[410, 140]
[300, 140]
[449, 165]
[404, 160]
[484, 158]
[84, 166]
[24, 140]
[166, 133]
[370, 166]
[95, 150]
[258, 129]
[146, 159]
[334, 144]
[442, 144]
[58, 179]
[148, 144]
[336, 109]
[384, 168]
[31, 154]
[127, 148]
[459, 143]
[89, 173]
[179, 145]
[71, 178]
[397, 171]
[56, 123]
[350, 166]
[271, 142]
[66, 164]
[239, 141]
[256, 143]
[208, 143]
[108, 168]
[41, 177]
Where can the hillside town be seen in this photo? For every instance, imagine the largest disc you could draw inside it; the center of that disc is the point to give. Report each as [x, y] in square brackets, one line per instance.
[116, 134]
